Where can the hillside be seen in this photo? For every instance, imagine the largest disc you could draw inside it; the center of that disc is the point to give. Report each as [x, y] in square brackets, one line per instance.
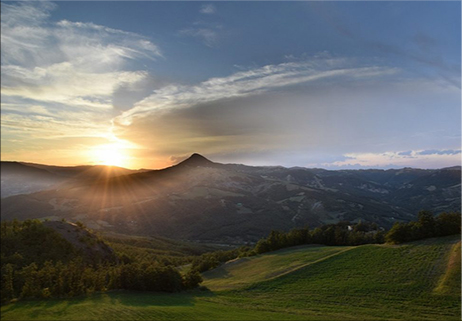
[55, 259]
[25, 178]
[155, 246]
[374, 281]
[28, 242]
[201, 200]
[18, 178]
[88, 244]
[414, 281]
[240, 273]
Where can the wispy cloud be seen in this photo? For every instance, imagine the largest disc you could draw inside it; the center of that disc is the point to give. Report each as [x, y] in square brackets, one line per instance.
[207, 31]
[208, 9]
[68, 62]
[439, 152]
[59, 78]
[208, 36]
[252, 82]
[420, 158]
[426, 50]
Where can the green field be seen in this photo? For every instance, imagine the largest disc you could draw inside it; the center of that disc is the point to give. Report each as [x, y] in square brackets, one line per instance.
[245, 271]
[415, 281]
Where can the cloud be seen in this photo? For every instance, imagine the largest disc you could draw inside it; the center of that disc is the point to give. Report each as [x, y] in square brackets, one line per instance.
[126, 94]
[421, 159]
[439, 152]
[306, 113]
[29, 39]
[425, 42]
[209, 33]
[407, 153]
[59, 79]
[64, 81]
[48, 126]
[67, 62]
[426, 51]
[208, 36]
[252, 82]
[208, 9]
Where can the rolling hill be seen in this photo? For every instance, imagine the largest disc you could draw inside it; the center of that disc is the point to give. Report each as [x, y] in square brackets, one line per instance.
[18, 178]
[414, 281]
[24, 243]
[25, 178]
[205, 201]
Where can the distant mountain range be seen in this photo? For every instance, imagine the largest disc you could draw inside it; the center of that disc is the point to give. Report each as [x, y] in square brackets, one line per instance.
[26, 178]
[201, 200]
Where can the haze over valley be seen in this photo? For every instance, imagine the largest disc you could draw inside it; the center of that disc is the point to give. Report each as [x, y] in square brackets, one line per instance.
[201, 200]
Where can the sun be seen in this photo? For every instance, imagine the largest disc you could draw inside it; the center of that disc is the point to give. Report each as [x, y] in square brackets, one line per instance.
[110, 155]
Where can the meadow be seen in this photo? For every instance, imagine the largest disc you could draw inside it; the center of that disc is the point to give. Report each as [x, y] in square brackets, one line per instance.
[413, 281]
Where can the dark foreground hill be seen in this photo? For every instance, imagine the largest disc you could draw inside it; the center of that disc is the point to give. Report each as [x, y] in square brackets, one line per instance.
[413, 281]
[55, 259]
[228, 203]
[24, 243]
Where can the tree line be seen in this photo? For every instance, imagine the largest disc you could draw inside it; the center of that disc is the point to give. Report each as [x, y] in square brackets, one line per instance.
[426, 226]
[37, 262]
[341, 234]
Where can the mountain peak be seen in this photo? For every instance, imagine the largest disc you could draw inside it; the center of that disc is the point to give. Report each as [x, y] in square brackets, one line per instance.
[196, 160]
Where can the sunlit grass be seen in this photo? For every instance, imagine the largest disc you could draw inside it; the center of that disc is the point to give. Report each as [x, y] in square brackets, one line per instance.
[245, 271]
[370, 282]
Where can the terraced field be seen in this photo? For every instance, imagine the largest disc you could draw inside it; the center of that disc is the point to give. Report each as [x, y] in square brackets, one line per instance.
[415, 281]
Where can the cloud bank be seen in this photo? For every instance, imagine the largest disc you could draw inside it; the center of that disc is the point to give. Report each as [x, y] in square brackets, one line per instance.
[421, 159]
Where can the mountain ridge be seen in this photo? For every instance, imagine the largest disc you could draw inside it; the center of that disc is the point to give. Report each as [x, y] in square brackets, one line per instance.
[200, 160]
[201, 200]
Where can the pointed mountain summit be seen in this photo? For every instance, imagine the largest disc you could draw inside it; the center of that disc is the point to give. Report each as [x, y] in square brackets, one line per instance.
[196, 160]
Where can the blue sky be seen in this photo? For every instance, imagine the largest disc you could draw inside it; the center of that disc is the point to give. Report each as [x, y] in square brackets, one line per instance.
[315, 84]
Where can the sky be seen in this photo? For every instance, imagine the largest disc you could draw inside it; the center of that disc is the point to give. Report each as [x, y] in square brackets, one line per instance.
[336, 85]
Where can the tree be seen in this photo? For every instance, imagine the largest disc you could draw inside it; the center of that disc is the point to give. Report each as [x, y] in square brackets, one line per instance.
[317, 236]
[361, 227]
[262, 246]
[7, 283]
[276, 240]
[426, 224]
[298, 237]
[448, 224]
[47, 276]
[399, 233]
[192, 279]
[31, 287]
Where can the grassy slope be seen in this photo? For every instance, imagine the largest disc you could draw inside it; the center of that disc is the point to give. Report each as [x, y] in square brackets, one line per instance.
[242, 272]
[415, 281]
[370, 282]
[158, 245]
[450, 281]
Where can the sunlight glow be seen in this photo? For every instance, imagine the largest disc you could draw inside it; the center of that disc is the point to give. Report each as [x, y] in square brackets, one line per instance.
[110, 155]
